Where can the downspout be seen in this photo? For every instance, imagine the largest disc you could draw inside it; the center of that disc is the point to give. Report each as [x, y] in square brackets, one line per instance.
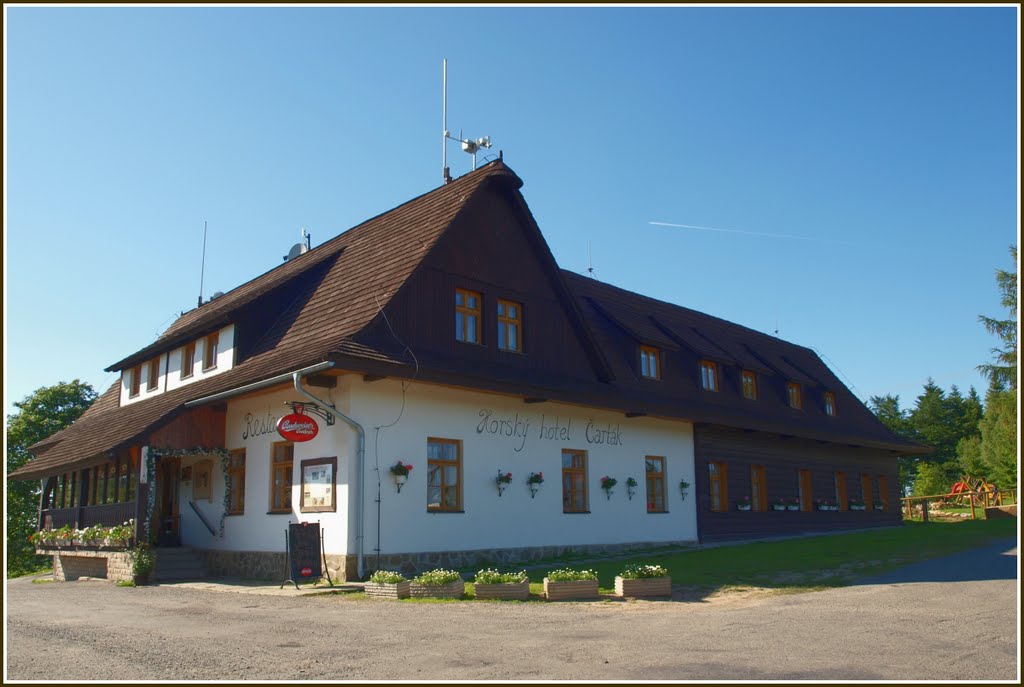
[360, 458]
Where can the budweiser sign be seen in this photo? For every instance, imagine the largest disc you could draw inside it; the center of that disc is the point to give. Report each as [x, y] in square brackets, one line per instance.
[297, 427]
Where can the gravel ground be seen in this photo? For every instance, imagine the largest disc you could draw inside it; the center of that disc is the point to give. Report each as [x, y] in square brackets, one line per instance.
[911, 628]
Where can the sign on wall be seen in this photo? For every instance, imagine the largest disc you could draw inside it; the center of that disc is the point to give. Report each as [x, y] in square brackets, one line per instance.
[297, 427]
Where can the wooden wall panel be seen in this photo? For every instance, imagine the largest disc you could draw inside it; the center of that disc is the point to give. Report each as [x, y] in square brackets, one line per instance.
[203, 426]
[782, 458]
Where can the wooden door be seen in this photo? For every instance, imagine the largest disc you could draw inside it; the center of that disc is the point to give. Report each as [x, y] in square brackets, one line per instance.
[168, 472]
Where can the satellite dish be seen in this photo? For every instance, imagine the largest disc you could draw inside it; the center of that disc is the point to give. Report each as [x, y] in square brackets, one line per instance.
[216, 294]
[296, 250]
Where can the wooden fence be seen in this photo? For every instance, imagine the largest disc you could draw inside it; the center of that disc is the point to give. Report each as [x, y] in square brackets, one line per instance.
[976, 499]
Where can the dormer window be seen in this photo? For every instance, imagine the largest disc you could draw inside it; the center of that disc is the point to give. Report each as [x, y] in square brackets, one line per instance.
[830, 403]
[153, 378]
[135, 378]
[210, 351]
[188, 360]
[708, 375]
[749, 382]
[510, 326]
[650, 362]
[794, 395]
[467, 316]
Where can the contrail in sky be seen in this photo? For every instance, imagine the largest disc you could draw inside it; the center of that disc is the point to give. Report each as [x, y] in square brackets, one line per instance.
[751, 233]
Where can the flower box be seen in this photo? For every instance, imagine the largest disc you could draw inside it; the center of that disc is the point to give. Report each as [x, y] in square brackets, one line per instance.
[643, 587]
[778, 506]
[376, 590]
[452, 590]
[879, 506]
[743, 506]
[857, 507]
[574, 589]
[509, 591]
[792, 507]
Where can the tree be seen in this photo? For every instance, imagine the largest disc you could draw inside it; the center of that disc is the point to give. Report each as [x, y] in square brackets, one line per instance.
[1003, 371]
[46, 411]
[887, 409]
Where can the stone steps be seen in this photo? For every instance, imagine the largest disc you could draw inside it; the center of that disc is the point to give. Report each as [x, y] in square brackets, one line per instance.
[178, 563]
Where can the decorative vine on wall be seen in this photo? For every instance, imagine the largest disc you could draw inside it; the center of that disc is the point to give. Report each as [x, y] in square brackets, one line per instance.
[225, 458]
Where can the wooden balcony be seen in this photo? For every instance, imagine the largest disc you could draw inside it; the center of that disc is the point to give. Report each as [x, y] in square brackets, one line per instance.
[107, 515]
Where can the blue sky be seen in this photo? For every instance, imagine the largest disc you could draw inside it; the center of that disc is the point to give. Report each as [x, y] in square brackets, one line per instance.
[888, 136]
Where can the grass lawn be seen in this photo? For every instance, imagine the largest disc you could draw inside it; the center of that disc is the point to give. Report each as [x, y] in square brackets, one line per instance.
[807, 563]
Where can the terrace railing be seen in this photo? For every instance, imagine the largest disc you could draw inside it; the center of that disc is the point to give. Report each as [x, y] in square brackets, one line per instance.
[108, 515]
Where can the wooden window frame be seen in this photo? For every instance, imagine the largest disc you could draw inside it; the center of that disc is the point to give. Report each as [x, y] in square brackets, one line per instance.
[830, 403]
[466, 311]
[202, 480]
[718, 477]
[442, 463]
[505, 321]
[805, 485]
[758, 488]
[752, 377]
[135, 381]
[842, 491]
[657, 477]
[211, 343]
[313, 462]
[568, 501]
[153, 374]
[883, 492]
[236, 482]
[188, 353]
[649, 355]
[867, 492]
[277, 465]
[794, 395]
[709, 375]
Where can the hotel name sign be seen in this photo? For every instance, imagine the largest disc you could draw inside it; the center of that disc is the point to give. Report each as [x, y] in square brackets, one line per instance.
[518, 428]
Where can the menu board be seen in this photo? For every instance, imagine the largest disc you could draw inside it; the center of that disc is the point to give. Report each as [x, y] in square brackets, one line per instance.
[304, 551]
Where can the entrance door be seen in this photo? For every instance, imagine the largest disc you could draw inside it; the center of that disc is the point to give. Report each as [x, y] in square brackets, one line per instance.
[169, 521]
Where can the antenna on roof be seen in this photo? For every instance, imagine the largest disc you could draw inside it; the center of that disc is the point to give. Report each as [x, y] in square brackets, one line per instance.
[468, 145]
[590, 261]
[202, 268]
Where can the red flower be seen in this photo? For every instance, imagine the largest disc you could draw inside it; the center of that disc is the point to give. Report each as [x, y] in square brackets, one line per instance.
[408, 467]
[508, 475]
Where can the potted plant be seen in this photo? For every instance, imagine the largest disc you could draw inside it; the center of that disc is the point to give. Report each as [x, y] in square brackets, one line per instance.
[631, 485]
[534, 481]
[743, 504]
[446, 584]
[779, 505]
[879, 505]
[570, 584]
[826, 504]
[491, 584]
[503, 480]
[386, 584]
[401, 472]
[120, 536]
[683, 487]
[608, 483]
[642, 581]
[64, 536]
[793, 504]
[857, 504]
[143, 560]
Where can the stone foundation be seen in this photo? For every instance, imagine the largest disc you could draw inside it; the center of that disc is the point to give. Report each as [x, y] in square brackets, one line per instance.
[267, 565]
[72, 564]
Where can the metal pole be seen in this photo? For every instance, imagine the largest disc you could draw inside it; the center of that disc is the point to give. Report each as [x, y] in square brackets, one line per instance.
[444, 123]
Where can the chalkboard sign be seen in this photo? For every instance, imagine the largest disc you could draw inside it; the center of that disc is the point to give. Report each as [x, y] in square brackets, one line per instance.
[304, 556]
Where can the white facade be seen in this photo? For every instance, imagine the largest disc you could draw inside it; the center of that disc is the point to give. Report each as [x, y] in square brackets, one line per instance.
[497, 433]
[169, 367]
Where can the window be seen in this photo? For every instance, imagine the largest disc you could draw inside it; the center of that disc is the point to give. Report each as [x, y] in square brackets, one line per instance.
[236, 482]
[749, 385]
[654, 468]
[202, 480]
[319, 479]
[210, 351]
[718, 478]
[188, 359]
[865, 489]
[883, 491]
[650, 362]
[758, 489]
[794, 395]
[806, 490]
[135, 381]
[842, 497]
[574, 481]
[467, 316]
[510, 326]
[281, 477]
[830, 403]
[444, 475]
[153, 379]
[708, 375]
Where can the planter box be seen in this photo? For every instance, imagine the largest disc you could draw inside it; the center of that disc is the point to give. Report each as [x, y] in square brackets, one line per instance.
[858, 508]
[399, 590]
[516, 591]
[651, 586]
[576, 589]
[453, 590]
[776, 506]
[792, 507]
[743, 507]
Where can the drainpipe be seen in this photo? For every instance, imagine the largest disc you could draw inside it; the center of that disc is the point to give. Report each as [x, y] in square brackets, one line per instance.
[360, 458]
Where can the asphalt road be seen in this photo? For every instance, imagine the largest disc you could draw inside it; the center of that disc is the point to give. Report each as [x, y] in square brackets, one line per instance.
[947, 619]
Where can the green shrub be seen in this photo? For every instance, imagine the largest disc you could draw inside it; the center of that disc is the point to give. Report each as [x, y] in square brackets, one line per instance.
[491, 576]
[640, 572]
[568, 575]
[436, 578]
[143, 559]
[387, 577]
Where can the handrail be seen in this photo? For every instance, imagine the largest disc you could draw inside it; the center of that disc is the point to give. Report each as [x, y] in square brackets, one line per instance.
[202, 517]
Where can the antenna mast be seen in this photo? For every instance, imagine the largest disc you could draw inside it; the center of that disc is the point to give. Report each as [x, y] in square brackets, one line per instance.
[590, 261]
[468, 145]
[202, 268]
